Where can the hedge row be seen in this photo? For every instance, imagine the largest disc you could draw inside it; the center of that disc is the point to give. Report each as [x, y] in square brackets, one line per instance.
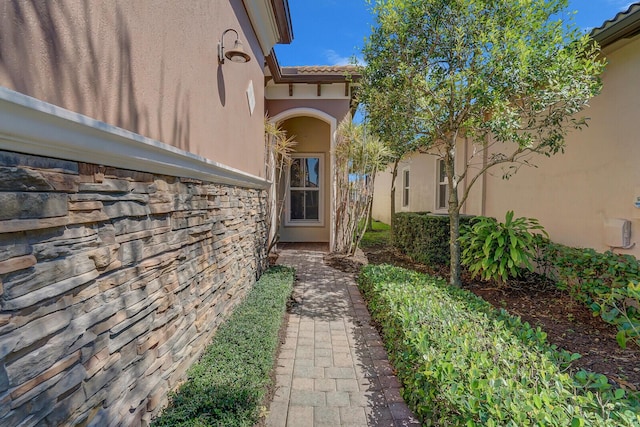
[464, 363]
[227, 386]
[606, 282]
[424, 236]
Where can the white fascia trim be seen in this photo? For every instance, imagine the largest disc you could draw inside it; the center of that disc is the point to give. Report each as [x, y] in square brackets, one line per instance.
[31, 126]
[264, 24]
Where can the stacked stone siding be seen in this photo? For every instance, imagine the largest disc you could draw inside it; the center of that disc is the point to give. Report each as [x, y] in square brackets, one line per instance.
[112, 282]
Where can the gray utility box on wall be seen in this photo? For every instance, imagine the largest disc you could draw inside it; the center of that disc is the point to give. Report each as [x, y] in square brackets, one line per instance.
[617, 233]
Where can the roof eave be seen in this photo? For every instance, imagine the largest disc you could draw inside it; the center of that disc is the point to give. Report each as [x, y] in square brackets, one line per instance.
[624, 25]
[283, 20]
[321, 78]
[271, 22]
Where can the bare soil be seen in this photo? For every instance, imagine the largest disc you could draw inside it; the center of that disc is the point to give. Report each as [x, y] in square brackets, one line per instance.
[569, 324]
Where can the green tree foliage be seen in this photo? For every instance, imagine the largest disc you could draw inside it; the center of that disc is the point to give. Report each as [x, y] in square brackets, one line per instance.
[509, 76]
[388, 114]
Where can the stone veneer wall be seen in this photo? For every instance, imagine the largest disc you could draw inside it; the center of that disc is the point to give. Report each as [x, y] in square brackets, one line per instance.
[112, 282]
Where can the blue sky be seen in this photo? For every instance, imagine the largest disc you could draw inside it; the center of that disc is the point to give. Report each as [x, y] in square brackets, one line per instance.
[330, 32]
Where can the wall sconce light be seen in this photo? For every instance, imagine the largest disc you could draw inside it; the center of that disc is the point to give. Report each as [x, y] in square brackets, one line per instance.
[236, 54]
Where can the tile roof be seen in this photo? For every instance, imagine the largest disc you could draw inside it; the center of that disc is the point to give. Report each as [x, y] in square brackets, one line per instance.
[320, 69]
[625, 24]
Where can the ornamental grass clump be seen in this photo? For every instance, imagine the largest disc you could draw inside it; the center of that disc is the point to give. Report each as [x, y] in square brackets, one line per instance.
[463, 363]
[228, 385]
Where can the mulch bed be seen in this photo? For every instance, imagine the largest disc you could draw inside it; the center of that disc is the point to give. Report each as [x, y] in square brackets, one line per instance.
[569, 324]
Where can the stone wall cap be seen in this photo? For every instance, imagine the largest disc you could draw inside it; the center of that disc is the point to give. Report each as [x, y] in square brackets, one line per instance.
[31, 126]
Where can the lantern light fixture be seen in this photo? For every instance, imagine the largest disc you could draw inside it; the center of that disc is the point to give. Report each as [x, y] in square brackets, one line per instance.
[235, 54]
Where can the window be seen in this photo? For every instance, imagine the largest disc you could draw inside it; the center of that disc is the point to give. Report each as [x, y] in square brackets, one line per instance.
[442, 187]
[304, 198]
[405, 188]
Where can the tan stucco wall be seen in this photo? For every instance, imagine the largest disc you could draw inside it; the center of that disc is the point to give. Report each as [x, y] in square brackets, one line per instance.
[149, 66]
[598, 177]
[422, 187]
[381, 209]
[335, 108]
[423, 183]
[313, 136]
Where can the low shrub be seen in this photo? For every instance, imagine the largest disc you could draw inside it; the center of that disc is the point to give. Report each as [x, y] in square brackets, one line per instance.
[465, 364]
[606, 282]
[228, 385]
[424, 236]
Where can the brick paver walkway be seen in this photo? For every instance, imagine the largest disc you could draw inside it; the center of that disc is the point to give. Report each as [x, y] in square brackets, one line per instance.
[332, 369]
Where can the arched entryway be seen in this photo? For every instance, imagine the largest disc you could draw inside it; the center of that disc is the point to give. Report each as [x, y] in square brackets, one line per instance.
[310, 196]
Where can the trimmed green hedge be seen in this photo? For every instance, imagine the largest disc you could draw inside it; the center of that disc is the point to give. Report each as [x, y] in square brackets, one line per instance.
[608, 283]
[424, 236]
[465, 364]
[228, 385]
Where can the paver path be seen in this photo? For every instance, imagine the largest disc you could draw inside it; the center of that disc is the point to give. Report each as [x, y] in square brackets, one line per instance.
[332, 369]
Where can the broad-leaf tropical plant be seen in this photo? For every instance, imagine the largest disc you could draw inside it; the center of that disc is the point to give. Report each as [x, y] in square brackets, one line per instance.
[507, 78]
[499, 250]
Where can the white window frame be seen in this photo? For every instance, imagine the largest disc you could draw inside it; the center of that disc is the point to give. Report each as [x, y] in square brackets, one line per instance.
[406, 188]
[321, 190]
[441, 205]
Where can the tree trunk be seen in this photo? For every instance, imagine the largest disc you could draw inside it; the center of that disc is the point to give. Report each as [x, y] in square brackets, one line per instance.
[394, 175]
[370, 215]
[454, 247]
[454, 221]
